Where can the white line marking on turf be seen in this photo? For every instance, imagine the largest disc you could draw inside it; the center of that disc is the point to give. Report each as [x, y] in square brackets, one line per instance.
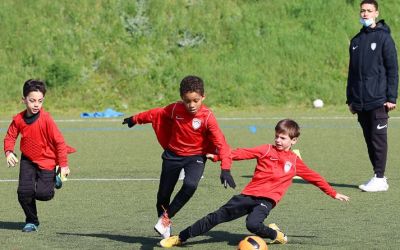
[114, 179]
[224, 119]
[299, 118]
[97, 179]
[221, 118]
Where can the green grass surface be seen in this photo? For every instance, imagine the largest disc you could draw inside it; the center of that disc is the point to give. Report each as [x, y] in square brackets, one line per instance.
[96, 54]
[121, 214]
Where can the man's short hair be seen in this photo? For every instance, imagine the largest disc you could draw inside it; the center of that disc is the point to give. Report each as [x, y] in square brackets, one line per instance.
[373, 2]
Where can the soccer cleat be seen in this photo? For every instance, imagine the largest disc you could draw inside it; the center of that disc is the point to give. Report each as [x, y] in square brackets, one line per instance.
[58, 182]
[163, 226]
[171, 242]
[30, 227]
[375, 184]
[281, 238]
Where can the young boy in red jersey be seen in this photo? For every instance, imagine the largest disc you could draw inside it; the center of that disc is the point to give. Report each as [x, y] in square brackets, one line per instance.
[187, 130]
[275, 169]
[43, 148]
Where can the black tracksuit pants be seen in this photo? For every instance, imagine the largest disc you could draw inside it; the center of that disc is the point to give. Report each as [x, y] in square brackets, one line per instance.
[171, 167]
[34, 184]
[257, 209]
[374, 124]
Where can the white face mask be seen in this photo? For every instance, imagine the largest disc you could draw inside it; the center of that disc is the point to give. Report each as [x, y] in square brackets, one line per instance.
[366, 22]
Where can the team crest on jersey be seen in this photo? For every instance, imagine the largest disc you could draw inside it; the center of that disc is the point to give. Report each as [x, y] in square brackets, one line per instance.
[196, 123]
[287, 167]
[373, 46]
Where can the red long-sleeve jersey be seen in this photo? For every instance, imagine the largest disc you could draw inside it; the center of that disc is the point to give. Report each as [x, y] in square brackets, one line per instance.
[41, 141]
[186, 134]
[275, 170]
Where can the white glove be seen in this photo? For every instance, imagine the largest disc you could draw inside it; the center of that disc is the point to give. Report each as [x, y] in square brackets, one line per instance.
[64, 173]
[12, 159]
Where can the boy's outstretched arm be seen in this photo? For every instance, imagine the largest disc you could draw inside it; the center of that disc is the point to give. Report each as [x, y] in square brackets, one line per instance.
[317, 180]
[342, 197]
[159, 119]
[129, 121]
[239, 154]
[155, 115]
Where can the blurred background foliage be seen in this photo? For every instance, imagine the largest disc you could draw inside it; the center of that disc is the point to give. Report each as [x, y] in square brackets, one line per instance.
[131, 55]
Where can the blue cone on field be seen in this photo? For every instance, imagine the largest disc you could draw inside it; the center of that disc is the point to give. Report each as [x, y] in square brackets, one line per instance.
[253, 129]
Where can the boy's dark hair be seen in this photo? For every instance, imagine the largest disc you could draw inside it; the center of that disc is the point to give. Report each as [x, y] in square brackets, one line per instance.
[289, 127]
[373, 2]
[34, 85]
[192, 84]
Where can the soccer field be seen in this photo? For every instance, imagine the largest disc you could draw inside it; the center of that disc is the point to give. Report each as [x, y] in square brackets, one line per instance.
[109, 199]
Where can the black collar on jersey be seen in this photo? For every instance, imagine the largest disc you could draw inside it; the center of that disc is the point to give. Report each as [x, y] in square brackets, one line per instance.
[31, 119]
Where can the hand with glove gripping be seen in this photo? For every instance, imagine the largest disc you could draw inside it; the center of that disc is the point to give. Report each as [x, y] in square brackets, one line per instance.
[227, 179]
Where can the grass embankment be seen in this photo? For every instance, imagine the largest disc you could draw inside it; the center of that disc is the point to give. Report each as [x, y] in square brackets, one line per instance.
[132, 54]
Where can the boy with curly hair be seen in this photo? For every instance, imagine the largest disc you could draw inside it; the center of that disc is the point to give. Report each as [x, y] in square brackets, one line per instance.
[187, 130]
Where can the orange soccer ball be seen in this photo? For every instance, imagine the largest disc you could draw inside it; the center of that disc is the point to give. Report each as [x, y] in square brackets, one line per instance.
[252, 243]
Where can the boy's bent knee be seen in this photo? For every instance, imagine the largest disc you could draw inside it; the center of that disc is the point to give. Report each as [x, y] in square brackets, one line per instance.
[189, 188]
[25, 193]
[44, 196]
[254, 228]
[24, 198]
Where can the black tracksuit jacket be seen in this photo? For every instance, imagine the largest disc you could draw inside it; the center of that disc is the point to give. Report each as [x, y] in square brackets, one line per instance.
[373, 69]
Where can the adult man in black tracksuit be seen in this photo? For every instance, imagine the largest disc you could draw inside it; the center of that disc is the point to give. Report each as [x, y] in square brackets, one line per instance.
[372, 88]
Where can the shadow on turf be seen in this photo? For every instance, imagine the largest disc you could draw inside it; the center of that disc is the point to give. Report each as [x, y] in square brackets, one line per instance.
[148, 243]
[301, 181]
[10, 225]
[232, 239]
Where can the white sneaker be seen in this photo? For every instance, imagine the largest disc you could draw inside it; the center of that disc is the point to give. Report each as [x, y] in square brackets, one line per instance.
[163, 226]
[375, 184]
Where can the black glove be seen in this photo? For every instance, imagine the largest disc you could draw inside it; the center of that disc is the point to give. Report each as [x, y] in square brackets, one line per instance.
[227, 179]
[129, 121]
